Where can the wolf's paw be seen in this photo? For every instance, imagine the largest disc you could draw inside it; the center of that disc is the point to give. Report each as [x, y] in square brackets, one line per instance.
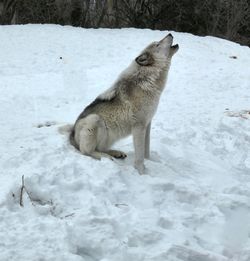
[117, 154]
[140, 168]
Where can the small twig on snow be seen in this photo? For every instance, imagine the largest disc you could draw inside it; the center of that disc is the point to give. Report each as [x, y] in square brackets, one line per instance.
[24, 189]
[121, 204]
[69, 215]
[21, 192]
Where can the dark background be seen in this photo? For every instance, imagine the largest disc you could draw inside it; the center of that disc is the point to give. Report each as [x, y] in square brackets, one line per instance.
[229, 19]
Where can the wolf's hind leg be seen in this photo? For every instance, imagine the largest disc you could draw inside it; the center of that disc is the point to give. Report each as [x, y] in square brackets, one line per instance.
[88, 138]
[117, 154]
[98, 155]
[88, 144]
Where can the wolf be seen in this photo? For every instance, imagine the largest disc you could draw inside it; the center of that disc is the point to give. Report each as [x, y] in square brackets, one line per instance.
[127, 107]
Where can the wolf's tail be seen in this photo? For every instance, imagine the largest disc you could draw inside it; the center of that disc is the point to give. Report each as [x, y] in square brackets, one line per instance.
[66, 129]
[72, 139]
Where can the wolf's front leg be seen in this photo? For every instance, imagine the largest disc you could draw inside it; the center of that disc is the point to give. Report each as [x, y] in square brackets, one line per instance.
[139, 132]
[147, 142]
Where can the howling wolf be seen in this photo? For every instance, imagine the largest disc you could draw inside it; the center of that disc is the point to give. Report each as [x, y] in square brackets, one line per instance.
[127, 107]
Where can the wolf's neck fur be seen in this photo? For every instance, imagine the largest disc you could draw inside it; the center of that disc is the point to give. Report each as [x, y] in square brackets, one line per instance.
[150, 79]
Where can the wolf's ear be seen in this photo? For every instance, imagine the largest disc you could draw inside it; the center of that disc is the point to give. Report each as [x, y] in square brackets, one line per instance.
[144, 59]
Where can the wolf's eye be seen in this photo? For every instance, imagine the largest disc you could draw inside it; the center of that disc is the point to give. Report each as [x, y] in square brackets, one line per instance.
[157, 45]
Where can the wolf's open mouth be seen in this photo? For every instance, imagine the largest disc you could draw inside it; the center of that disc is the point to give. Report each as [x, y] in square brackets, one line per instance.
[175, 46]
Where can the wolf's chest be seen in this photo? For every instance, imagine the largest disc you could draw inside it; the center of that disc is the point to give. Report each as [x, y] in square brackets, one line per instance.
[145, 108]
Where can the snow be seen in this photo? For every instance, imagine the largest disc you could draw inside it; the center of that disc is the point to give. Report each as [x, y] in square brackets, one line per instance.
[194, 203]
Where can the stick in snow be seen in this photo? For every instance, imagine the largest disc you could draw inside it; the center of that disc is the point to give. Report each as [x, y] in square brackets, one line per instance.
[21, 192]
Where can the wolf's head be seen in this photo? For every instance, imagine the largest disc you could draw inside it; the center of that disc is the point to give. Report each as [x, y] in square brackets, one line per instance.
[158, 53]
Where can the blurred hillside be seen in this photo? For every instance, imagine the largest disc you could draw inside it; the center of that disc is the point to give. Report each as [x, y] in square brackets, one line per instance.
[228, 19]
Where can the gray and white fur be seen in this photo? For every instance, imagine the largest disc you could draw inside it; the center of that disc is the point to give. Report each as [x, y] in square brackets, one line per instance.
[127, 107]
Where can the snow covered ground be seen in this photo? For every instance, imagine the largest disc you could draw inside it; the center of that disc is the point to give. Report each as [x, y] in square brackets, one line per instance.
[194, 204]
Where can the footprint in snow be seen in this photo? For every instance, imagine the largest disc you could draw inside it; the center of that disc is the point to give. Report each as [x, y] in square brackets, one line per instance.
[46, 124]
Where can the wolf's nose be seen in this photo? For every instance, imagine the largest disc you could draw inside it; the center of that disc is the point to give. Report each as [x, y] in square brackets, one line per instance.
[170, 35]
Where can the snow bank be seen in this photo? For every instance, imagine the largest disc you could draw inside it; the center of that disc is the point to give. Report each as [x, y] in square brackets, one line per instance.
[194, 204]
